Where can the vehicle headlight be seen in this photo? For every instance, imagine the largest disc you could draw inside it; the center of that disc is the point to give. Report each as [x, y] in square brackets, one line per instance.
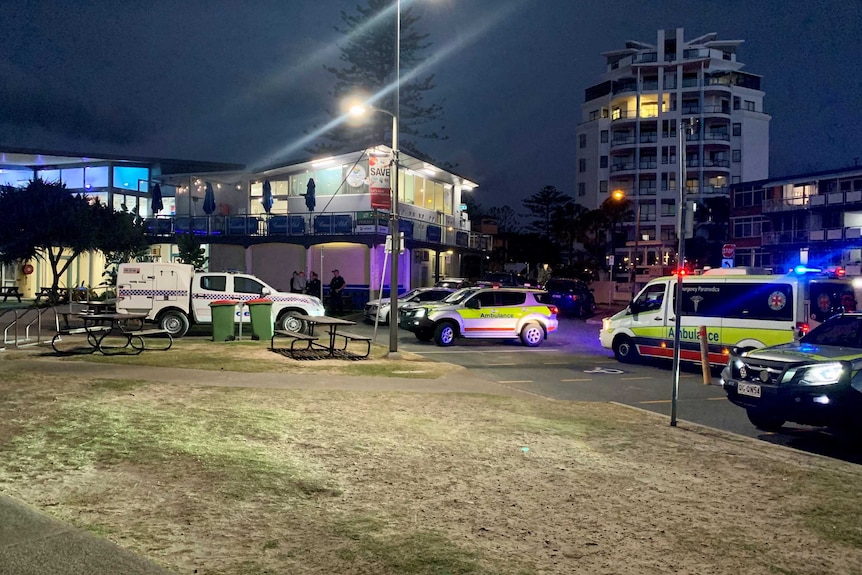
[421, 312]
[817, 374]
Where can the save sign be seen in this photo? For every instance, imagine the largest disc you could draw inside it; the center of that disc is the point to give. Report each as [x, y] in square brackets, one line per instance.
[378, 181]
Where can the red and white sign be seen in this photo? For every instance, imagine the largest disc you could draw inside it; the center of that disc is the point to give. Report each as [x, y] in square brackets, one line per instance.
[378, 183]
[727, 250]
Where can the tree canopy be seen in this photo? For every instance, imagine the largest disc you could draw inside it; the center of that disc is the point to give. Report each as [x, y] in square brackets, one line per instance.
[46, 221]
[368, 67]
[543, 205]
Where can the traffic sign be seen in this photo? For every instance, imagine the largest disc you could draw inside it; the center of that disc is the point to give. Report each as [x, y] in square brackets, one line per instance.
[727, 250]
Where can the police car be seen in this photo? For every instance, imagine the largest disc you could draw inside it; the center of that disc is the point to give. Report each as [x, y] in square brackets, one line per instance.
[484, 312]
[814, 381]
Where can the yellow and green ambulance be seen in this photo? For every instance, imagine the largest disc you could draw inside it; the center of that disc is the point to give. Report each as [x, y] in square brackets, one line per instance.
[738, 311]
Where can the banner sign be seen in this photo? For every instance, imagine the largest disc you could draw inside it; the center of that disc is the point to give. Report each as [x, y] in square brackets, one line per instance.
[378, 180]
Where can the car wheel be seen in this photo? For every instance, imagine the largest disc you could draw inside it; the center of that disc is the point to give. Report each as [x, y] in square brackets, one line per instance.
[288, 322]
[625, 350]
[424, 335]
[444, 334]
[764, 421]
[532, 334]
[175, 323]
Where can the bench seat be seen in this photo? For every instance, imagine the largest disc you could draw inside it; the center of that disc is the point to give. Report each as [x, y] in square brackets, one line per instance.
[141, 334]
[10, 291]
[295, 337]
[348, 337]
[89, 331]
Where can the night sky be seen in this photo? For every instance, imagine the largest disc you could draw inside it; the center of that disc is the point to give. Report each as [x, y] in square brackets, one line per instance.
[244, 81]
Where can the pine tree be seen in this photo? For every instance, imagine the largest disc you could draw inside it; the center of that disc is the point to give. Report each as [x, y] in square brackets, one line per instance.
[368, 67]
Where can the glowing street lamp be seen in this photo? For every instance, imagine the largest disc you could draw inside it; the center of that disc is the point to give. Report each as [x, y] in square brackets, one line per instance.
[394, 228]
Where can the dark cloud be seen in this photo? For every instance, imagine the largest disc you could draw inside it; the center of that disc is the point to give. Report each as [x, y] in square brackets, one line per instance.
[244, 81]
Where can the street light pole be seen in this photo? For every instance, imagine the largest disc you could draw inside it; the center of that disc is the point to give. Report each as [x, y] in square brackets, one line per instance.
[635, 251]
[679, 266]
[394, 227]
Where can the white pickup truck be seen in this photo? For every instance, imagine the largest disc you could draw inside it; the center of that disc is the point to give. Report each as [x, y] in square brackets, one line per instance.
[175, 296]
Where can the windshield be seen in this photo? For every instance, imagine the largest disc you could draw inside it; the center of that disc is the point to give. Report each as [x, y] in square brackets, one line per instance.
[844, 331]
[410, 294]
[459, 295]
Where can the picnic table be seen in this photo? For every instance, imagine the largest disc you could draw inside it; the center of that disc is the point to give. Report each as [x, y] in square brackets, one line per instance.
[334, 325]
[114, 333]
[10, 291]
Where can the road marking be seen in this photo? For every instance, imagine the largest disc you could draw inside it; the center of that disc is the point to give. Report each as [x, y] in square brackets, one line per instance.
[656, 401]
[633, 378]
[500, 364]
[716, 398]
[556, 363]
[582, 379]
[516, 381]
[611, 371]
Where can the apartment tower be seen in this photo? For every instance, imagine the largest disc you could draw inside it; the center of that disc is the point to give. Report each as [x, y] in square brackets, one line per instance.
[628, 143]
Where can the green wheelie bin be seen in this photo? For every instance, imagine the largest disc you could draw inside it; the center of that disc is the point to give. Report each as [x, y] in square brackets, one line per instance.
[223, 315]
[260, 311]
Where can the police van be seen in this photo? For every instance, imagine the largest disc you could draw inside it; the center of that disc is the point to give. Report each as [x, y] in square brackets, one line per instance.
[738, 311]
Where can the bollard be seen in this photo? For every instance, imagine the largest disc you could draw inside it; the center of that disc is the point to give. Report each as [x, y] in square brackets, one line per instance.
[704, 355]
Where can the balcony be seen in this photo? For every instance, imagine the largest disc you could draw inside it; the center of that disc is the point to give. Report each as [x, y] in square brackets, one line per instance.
[716, 136]
[785, 237]
[785, 204]
[618, 141]
[622, 167]
[835, 198]
[835, 234]
[303, 228]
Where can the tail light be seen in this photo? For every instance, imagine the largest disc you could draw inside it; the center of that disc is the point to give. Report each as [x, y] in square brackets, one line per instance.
[802, 327]
[554, 309]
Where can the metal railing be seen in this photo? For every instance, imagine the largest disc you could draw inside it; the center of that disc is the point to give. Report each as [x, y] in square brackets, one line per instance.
[304, 225]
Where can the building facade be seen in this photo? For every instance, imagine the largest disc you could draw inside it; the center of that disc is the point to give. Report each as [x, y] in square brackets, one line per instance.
[628, 141]
[812, 219]
[314, 215]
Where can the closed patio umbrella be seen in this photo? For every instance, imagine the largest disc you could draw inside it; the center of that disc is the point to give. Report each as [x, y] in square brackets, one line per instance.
[209, 200]
[267, 196]
[157, 199]
[309, 195]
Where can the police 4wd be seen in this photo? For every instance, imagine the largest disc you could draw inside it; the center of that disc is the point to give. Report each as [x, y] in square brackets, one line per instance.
[478, 312]
[814, 381]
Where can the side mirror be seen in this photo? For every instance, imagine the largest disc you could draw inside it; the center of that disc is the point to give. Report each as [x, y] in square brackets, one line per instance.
[635, 307]
[265, 291]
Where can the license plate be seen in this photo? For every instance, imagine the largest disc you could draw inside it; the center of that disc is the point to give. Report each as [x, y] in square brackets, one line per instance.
[748, 389]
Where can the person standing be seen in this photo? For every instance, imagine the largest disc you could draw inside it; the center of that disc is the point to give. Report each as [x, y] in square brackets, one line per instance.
[300, 283]
[313, 285]
[336, 301]
[293, 281]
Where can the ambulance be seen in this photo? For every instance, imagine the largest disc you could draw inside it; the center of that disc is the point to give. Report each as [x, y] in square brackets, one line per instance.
[484, 312]
[738, 311]
[176, 296]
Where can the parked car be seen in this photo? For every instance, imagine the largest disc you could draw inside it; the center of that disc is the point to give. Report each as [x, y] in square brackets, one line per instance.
[572, 296]
[418, 295]
[453, 283]
[484, 312]
[814, 381]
